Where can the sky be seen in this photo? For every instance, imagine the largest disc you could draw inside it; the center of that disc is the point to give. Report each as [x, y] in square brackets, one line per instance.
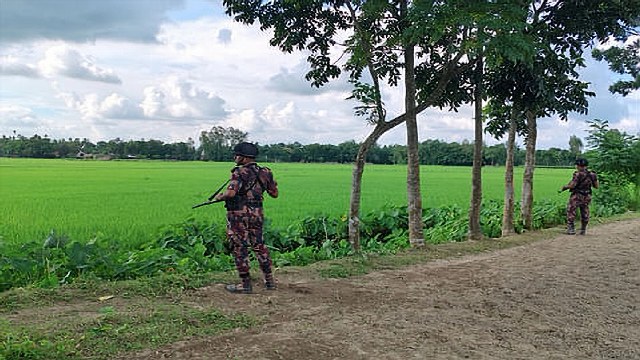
[169, 69]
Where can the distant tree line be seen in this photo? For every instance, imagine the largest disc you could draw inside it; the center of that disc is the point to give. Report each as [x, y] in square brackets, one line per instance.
[44, 147]
[216, 145]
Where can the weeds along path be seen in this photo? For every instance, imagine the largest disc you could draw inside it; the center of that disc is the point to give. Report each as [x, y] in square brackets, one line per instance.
[569, 297]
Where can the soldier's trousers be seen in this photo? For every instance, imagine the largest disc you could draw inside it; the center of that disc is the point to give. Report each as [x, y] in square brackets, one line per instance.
[244, 231]
[578, 201]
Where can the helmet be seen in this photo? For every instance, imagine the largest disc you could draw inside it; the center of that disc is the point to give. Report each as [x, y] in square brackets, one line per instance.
[246, 149]
[582, 162]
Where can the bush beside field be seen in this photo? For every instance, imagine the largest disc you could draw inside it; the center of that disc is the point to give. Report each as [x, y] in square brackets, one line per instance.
[193, 247]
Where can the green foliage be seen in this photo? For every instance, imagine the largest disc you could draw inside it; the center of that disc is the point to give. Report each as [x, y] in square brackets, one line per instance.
[217, 143]
[186, 235]
[491, 218]
[618, 154]
[444, 224]
[548, 213]
[25, 346]
[380, 224]
[45, 266]
[113, 331]
[615, 195]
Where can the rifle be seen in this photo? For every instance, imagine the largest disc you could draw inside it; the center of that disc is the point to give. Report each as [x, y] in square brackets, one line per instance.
[210, 198]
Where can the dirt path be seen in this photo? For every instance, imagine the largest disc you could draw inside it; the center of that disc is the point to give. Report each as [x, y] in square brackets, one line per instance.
[570, 297]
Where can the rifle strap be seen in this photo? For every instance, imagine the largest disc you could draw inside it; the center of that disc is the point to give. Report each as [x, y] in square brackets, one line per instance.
[577, 187]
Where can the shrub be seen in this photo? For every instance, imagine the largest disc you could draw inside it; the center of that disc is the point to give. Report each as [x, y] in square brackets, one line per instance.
[614, 196]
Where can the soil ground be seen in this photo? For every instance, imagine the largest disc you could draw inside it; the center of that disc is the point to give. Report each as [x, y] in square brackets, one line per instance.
[567, 297]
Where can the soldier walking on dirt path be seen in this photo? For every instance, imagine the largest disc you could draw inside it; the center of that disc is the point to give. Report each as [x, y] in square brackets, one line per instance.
[580, 186]
[243, 200]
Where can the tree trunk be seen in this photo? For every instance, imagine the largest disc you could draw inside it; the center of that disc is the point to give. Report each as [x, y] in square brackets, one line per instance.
[356, 194]
[509, 197]
[475, 231]
[637, 191]
[529, 166]
[414, 198]
[356, 180]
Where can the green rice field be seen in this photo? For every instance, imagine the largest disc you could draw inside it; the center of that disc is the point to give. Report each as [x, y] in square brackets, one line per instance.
[131, 201]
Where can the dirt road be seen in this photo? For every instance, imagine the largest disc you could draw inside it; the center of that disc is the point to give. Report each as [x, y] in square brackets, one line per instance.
[569, 297]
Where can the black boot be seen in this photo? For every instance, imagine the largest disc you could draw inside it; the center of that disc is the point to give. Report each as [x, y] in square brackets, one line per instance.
[269, 282]
[242, 288]
[571, 230]
[583, 229]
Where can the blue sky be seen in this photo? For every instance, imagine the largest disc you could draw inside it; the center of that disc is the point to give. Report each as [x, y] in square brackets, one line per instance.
[169, 69]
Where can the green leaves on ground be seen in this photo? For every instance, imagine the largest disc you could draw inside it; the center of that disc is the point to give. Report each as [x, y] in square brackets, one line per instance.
[193, 247]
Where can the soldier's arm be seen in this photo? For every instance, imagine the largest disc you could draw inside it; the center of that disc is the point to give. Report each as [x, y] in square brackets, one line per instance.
[272, 185]
[571, 183]
[229, 192]
[232, 188]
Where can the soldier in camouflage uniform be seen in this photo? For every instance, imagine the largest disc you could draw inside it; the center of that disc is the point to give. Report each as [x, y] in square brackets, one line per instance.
[243, 200]
[580, 186]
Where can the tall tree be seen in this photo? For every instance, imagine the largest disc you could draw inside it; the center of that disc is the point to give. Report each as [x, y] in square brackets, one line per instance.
[549, 85]
[216, 144]
[575, 146]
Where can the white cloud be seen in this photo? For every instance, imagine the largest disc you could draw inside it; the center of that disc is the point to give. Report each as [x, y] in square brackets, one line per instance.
[10, 65]
[12, 116]
[116, 106]
[88, 105]
[292, 81]
[282, 118]
[180, 99]
[246, 121]
[172, 99]
[153, 103]
[65, 61]
[629, 125]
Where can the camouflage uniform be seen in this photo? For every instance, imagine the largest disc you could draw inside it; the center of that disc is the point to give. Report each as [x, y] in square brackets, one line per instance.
[580, 186]
[245, 218]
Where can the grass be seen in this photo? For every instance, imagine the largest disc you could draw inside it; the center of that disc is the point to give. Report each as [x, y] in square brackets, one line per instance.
[130, 201]
[109, 330]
